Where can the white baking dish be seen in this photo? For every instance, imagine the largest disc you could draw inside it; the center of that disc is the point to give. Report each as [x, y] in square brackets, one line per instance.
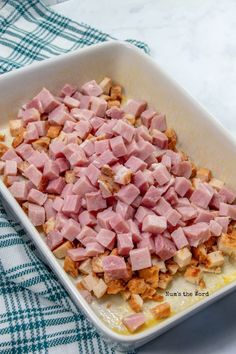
[200, 136]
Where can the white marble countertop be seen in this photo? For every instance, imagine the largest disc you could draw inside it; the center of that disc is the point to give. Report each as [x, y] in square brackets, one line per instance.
[195, 42]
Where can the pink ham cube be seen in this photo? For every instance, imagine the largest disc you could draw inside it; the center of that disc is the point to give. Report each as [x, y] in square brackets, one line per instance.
[58, 204]
[134, 321]
[115, 113]
[77, 254]
[104, 218]
[215, 228]
[95, 201]
[83, 186]
[202, 196]
[19, 190]
[118, 224]
[91, 88]
[173, 217]
[56, 149]
[151, 197]
[124, 244]
[49, 210]
[140, 258]
[161, 174]
[87, 218]
[10, 168]
[71, 102]
[87, 234]
[37, 197]
[134, 230]
[59, 115]
[31, 133]
[92, 173]
[114, 267]
[10, 154]
[118, 146]
[106, 238]
[124, 129]
[83, 128]
[228, 194]
[182, 168]
[228, 210]
[159, 139]
[146, 117]
[154, 224]
[47, 100]
[93, 249]
[159, 122]
[36, 214]
[135, 107]
[99, 106]
[162, 207]
[101, 146]
[165, 248]
[67, 90]
[141, 213]
[54, 239]
[30, 115]
[51, 170]
[223, 221]
[128, 194]
[72, 204]
[124, 210]
[56, 186]
[135, 164]
[62, 164]
[179, 238]
[197, 233]
[33, 174]
[147, 242]
[71, 229]
[24, 151]
[182, 186]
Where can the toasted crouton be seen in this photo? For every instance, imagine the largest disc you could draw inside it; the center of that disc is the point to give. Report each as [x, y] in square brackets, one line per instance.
[97, 264]
[70, 177]
[70, 266]
[15, 126]
[49, 225]
[172, 138]
[161, 311]
[61, 251]
[160, 264]
[116, 92]
[172, 267]
[125, 294]
[107, 171]
[2, 137]
[53, 131]
[227, 244]
[203, 174]
[115, 286]
[150, 275]
[100, 288]
[42, 144]
[148, 293]
[90, 281]
[164, 280]
[22, 166]
[195, 182]
[113, 103]
[158, 297]
[136, 302]
[216, 183]
[85, 267]
[214, 259]
[182, 257]
[3, 149]
[105, 85]
[200, 253]
[193, 275]
[130, 118]
[137, 286]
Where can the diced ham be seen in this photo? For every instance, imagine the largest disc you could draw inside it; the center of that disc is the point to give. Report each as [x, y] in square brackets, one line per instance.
[127, 194]
[147, 115]
[54, 239]
[228, 210]
[106, 238]
[215, 228]
[118, 224]
[56, 186]
[179, 238]
[135, 164]
[33, 174]
[182, 186]
[182, 168]
[19, 190]
[59, 115]
[159, 139]
[77, 254]
[159, 122]
[72, 204]
[223, 221]
[162, 207]
[135, 107]
[95, 201]
[124, 210]
[228, 194]
[71, 102]
[124, 244]
[47, 101]
[30, 115]
[51, 170]
[202, 196]
[67, 90]
[161, 174]
[36, 214]
[140, 258]
[37, 197]
[115, 113]
[124, 129]
[99, 106]
[118, 146]
[70, 230]
[151, 197]
[115, 267]
[11, 155]
[134, 230]
[10, 168]
[165, 248]
[93, 249]
[91, 88]
[154, 224]
[134, 321]
[197, 233]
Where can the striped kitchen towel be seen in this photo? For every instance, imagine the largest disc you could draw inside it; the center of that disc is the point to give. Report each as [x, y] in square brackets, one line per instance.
[36, 314]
